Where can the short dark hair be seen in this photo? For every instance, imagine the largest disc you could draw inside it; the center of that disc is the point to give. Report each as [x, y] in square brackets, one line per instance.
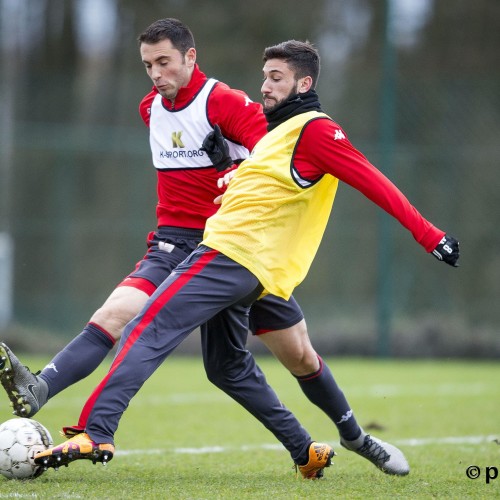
[168, 29]
[302, 57]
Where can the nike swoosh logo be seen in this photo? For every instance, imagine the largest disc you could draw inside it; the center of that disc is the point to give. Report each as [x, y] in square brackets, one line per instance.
[30, 388]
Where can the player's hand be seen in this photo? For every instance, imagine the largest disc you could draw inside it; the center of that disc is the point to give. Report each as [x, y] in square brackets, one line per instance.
[217, 149]
[222, 182]
[447, 250]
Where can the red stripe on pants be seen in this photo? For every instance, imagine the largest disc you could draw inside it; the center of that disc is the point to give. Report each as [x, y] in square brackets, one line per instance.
[146, 319]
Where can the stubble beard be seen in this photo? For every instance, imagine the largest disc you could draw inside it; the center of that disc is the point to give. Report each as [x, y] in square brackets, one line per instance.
[270, 109]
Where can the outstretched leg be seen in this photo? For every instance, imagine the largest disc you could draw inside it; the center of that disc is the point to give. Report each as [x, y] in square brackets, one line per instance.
[28, 392]
[290, 344]
[200, 288]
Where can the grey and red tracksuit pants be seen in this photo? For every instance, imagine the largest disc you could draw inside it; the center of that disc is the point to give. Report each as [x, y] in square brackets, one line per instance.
[210, 291]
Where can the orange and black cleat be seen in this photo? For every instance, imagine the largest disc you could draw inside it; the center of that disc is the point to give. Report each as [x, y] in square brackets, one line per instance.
[320, 456]
[77, 448]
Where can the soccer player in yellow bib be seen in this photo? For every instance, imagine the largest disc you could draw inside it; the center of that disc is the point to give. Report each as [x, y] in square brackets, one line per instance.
[262, 240]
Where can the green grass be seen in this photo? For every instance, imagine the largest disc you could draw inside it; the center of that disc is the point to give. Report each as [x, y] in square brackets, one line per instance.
[419, 405]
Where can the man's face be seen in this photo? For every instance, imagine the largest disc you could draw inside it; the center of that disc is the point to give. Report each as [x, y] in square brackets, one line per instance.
[279, 83]
[166, 66]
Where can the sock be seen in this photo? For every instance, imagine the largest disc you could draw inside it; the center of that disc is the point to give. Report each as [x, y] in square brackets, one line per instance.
[355, 444]
[322, 390]
[78, 359]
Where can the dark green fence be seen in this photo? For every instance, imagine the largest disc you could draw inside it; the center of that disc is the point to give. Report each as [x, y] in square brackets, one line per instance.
[417, 92]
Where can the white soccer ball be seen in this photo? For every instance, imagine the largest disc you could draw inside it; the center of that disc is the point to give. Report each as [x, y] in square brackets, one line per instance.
[20, 440]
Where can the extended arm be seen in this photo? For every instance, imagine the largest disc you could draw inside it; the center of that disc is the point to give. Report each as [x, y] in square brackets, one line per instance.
[324, 148]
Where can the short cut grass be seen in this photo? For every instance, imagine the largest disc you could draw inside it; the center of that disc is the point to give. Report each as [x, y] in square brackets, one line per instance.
[183, 438]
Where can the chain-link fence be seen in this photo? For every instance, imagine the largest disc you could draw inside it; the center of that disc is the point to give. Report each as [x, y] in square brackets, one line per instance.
[415, 85]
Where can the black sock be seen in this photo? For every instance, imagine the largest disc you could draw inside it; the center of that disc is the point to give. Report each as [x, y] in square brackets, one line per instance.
[322, 390]
[78, 359]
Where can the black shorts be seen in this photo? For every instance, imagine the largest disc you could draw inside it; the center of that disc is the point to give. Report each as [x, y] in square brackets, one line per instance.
[169, 246]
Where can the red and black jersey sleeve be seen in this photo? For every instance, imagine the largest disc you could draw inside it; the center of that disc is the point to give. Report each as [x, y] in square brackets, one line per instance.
[241, 120]
[324, 148]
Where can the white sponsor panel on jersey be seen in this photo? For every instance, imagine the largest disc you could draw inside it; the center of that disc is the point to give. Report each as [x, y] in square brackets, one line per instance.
[176, 146]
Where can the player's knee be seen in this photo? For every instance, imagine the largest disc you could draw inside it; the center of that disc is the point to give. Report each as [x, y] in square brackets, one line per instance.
[303, 361]
[216, 375]
[112, 317]
[227, 373]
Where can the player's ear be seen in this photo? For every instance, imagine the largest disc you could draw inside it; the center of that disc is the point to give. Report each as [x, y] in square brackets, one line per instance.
[190, 57]
[304, 84]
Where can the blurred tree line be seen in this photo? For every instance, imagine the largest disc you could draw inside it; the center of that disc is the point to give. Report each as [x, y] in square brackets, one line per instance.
[414, 83]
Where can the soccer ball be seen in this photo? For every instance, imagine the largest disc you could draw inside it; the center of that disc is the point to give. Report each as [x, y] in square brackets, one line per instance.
[20, 440]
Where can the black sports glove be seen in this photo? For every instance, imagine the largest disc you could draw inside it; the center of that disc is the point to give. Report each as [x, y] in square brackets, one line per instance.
[447, 250]
[217, 149]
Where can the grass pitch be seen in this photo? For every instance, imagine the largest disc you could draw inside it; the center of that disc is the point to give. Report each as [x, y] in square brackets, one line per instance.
[181, 438]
